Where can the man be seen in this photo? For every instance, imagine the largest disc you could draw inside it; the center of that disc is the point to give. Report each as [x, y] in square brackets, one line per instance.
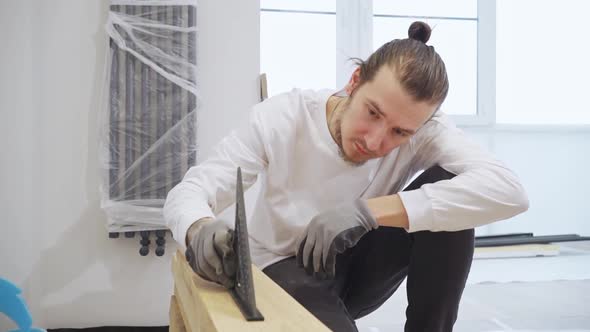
[331, 224]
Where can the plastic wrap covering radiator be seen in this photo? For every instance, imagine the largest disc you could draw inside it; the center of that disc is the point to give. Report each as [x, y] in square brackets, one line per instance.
[148, 121]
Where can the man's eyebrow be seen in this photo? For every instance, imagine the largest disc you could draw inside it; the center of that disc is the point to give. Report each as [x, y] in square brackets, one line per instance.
[376, 107]
[378, 110]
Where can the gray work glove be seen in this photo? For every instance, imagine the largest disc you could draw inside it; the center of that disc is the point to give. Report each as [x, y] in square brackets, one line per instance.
[330, 233]
[210, 253]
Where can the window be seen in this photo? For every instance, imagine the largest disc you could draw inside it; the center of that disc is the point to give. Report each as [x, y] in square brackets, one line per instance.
[308, 44]
[454, 37]
[298, 44]
[542, 62]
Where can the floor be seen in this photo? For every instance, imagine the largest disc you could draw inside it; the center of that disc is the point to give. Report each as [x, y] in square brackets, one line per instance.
[529, 306]
[559, 300]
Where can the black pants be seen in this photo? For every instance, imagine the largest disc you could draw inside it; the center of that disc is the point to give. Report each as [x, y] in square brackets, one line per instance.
[435, 263]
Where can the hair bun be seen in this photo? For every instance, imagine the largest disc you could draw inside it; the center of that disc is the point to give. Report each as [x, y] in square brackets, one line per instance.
[419, 31]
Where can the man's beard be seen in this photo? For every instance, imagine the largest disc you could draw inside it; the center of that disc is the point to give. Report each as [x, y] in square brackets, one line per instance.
[337, 126]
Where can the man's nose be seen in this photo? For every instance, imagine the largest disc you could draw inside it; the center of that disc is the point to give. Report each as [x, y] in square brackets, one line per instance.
[374, 139]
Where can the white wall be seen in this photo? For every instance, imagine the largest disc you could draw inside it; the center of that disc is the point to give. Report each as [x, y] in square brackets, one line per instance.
[54, 243]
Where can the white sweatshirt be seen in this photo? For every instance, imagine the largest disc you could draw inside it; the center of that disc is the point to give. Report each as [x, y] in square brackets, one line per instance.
[287, 145]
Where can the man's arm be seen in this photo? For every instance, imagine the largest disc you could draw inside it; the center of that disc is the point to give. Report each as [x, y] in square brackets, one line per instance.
[209, 187]
[389, 211]
[333, 231]
[484, 190]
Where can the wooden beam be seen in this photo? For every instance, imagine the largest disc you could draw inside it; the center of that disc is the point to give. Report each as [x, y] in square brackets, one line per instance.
[176, 320]
[209, 307]
[263, 87]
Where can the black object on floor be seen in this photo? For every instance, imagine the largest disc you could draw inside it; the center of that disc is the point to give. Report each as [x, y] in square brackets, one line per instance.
[508, 240]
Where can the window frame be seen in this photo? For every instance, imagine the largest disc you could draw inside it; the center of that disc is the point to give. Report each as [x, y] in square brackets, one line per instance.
[354, 35]
[354, 38]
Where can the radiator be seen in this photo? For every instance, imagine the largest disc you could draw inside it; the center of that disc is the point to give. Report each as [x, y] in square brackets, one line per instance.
[148, 127]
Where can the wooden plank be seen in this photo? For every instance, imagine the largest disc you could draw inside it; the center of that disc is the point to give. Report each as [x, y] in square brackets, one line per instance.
[263, 87]
[180, 309]
[210, 307]
[196, 319]
[176, 320]
[519, 250]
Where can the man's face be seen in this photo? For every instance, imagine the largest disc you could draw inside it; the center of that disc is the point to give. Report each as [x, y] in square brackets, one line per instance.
[378, 117]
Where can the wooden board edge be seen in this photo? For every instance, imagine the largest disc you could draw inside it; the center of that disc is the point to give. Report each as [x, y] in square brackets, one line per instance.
[176, 319]
[190, 303]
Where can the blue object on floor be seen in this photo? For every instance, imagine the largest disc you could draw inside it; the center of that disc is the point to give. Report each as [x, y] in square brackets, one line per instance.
[15, 308]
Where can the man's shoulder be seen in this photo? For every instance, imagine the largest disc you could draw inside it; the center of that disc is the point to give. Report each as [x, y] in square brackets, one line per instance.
[290, 105]
[440, 129]
[297, 97]
[439, 123]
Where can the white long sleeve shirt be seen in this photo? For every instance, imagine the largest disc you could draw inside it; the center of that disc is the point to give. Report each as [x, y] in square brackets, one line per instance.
[287, 146]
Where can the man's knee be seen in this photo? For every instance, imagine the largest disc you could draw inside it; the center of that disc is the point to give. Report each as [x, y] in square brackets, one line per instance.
[449, 252]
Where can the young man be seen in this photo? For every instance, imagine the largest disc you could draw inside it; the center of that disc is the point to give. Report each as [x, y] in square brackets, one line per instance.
[332, 225]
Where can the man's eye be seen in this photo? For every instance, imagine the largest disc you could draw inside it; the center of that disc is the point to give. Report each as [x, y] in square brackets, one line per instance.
[400, 132]
[373, 113]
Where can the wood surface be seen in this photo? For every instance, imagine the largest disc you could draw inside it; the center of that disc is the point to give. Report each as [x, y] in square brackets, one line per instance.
[206, 306]
[176, 320]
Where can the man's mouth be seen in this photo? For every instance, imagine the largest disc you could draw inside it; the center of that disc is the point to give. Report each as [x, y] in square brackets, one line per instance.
[360, 149]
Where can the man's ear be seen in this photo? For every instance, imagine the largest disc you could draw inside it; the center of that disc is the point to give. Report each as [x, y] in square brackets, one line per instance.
[354, 81]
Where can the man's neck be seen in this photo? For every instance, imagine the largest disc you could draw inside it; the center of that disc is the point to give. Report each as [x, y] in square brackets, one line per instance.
[331, 109]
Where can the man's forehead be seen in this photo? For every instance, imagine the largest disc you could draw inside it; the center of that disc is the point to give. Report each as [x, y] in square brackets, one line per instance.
[397, 106]
[396, 117]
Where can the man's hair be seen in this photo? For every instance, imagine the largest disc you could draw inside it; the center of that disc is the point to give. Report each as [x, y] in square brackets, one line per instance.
[418, 67]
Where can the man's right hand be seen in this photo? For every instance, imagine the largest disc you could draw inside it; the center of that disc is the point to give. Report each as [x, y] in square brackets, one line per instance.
[210, 253]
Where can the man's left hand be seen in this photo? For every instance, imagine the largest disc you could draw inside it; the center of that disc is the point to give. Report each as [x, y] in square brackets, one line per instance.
[330, 233]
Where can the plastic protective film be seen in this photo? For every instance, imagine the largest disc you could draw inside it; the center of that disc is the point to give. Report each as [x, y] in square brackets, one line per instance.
[148, 121]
